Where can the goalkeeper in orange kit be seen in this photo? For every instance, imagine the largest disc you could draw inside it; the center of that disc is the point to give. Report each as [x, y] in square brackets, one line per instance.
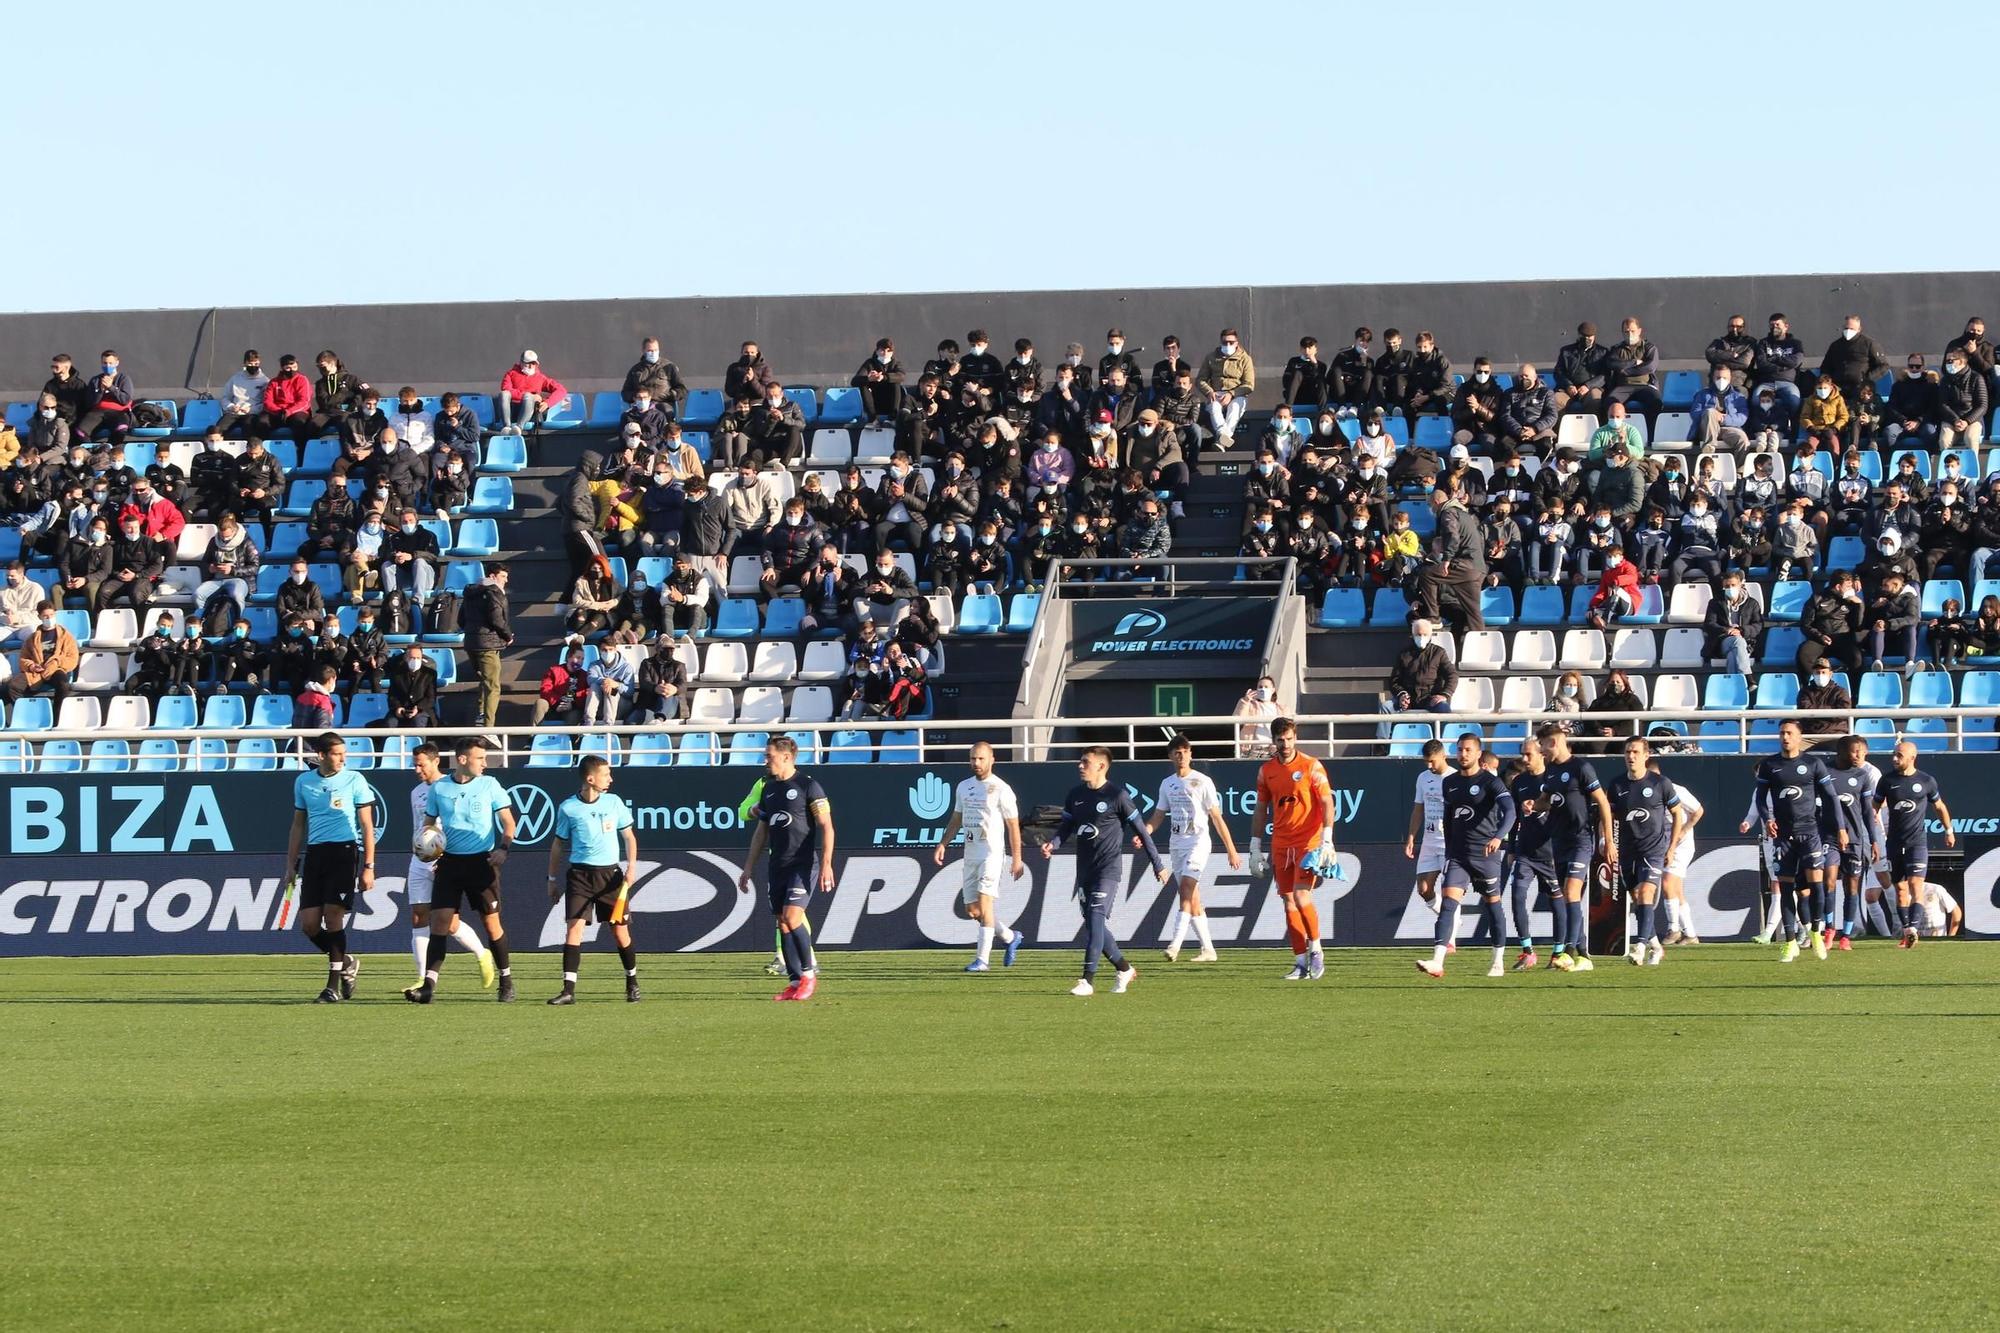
[1294, 795]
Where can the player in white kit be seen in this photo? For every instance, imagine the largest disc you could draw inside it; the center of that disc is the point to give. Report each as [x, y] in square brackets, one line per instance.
[417, 882]
[1680, 921]
[1425, 844]
[1191, 807]
[984, 806]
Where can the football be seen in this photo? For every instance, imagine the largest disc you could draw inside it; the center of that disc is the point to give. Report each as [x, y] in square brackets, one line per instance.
[430, 844]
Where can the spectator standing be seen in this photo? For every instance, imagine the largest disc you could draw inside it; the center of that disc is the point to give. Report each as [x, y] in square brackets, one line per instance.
[1632, 371]
[658, 378]
[1255, 712]
[1853, 359]
[582, 538]
[488, 629]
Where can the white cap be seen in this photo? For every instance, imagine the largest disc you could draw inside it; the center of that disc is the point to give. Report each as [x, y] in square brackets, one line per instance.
[1460, 453]
[529, 355]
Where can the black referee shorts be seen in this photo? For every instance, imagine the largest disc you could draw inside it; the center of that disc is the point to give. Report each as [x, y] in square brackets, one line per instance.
[592, 888]
[466, 875]
[328, 877]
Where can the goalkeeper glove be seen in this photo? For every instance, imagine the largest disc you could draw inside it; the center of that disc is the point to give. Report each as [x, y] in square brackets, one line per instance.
[1259, 868]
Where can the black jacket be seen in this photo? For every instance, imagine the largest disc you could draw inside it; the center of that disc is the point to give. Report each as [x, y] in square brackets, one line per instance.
[1914, 399]
[663, 378]
[1580, 365]
[1306, 381]
[335, 395]
[414, 688]
[1743, 614]
[1850, 361]
[483, 616]
[1961, 397]
[1739, 353]
[577, 505]
[300, 599]
[1778, 360]
[702, 523]
[1422, 672]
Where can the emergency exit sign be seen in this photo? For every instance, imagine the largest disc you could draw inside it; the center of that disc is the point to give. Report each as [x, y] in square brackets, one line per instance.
[1173, 701]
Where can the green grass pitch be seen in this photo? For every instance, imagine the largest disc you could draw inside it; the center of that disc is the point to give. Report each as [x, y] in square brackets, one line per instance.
[1722, 1142]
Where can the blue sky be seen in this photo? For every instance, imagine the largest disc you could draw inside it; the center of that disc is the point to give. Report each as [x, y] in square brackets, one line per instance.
[670, 150]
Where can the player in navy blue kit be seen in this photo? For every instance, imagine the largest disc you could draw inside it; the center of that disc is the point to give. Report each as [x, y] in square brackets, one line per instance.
[1906, 796]
[1570, 796]
[1478, 817]
[1854, 780]
[1648, 811]
[1100, 817]
[1529, 865]
[1789, 787]
[795, 821]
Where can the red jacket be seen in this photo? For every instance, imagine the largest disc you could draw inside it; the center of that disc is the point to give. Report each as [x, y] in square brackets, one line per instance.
[515, 385]
[562, 688]
[1625, 578]
[162, 521]
[288, 395]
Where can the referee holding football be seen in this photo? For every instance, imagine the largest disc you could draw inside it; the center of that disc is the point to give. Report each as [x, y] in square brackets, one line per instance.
[478, 823]
[333, 814]
[588, 827]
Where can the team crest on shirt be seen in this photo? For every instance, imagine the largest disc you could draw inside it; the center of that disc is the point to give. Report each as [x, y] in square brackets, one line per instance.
[1645, 791]
[1802, 770]
[791, 793]
[1918, 789]
[1102, 807]
[1562, 778]
[1475, 789]
[337, 802]
[1296, 775]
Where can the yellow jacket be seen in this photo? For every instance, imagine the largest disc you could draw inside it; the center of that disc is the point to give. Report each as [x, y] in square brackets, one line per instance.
[1828, 413]
[613, 514]
[1406, 542]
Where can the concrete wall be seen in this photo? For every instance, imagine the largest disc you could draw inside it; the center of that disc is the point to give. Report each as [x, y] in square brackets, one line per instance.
[820, 339]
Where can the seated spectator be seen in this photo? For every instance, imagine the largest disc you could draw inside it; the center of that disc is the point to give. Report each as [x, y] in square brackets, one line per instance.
[1579, 373]
[229, 566]
[412, 424]
[1144, 540]
[1305, 379]
[1402, 550]
[657, 377]
[746, 378]
[1977, 636]
[85, 566]
[361, 429]
[1617, 594]
[1632, 371]
[644, 420]
[1892, 620]
[456, 429]
[1830, 625]
[1283, 435]
[776, 429]
[592, 599]
[242, 398]
[450, 482]
[752, 511]
[236, 659]
[108, 411]
[918, 634]
[1820, 692]
[20, 605]
[1615, 695]
[1731, 627]
[1720, 414]
[1891, 556]
[366, 656]
[1961, 404]
[828, 590]
[1615, 431]
[1051, 469]
[136, 566]
[361, 564]
[166, 661]
[1256, 710]
[886, 590]
[1431, 388]
[1734, 351]
[292, 655]
[1505, 555]
[1423, 677]
[74, 392]
[986, 568]
[880, 380]
[527, 396]
[1550, 547]
[1476, 409]
[1794, 544]
[662, 689]
[1566, 700]
[613, 678]
[1528, 415]
[791, 549]
[48, 433]
[1620, 487]
[1467, 480]
[412, 691]
[46, 663]
[410, 558]
[902, 498]
[686, 596]
[1228, 378]
[287, 404]
[1263, 546]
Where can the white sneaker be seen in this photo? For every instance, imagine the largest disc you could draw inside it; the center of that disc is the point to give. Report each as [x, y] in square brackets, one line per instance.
[1173, 952]
[1499, 969]
[1654, 953]
[1125, 980]
[1298, 972]
[1428, 968]
[1083, 988]
[1635, 953]
[1205, 956]
[1315, 965]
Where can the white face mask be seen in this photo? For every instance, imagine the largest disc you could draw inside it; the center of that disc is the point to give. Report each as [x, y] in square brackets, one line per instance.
[651, 356]
[1822, 678]
[1823, 392]
[298, 578]
[1482, 376]
[793, 520]
[883, 357]
[1614, 561]
[1914, 374]
[979, 349]
[1422, 641]
[1847, 334]
[48, 414]
[642, 404]
[1721, 385]
[1953, 369]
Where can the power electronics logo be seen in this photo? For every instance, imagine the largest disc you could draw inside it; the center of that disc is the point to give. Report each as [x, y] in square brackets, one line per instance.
[1144, 623]
[1143, 632]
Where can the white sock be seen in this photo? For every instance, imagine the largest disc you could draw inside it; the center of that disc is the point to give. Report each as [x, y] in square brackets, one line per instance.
[1201, 933]
[1003, 933]
[1315, 948]
[985, 942]
[569, 978]
[1673, 914]
[1500, 956]
[1181, 922]
[1437, 955]
[1774, 916]
[420, 946]
[462, 935]
[1877, 918]
[1299, 959]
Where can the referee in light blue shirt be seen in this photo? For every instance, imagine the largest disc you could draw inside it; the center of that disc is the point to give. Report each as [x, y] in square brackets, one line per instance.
[333, 816]
[478, 822]
[590, 826]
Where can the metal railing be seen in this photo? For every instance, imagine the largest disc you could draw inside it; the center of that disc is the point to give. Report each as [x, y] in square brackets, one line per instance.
[1219, 736]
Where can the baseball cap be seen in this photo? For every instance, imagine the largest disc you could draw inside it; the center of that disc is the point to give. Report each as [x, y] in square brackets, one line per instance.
[1459, 453]
[1149, 416]
[530, 357]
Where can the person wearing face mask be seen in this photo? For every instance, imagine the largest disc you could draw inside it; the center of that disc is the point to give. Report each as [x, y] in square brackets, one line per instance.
[1256, 710]
[1566, 701]
[1180, 405]
[1853, 359]
[658, 377]
[1528, 414]
[1550, 546]
[945, 366]
[987, 568]
[1305, 383]
[1892, 620]
[1269, 484]
[1454, 567]
[361, 429]
[72, 390]
[1911, 419]
[1476, 409]
[1039, 543]
[746, 379]
[163, 662]
[456, 430]
[1944, 537]
[1423, 676]
[1632, 371]
[1430, 380]
[1734, 351]
[336, 391]
[1154, 451]
[1350, 376]
[1118, 397]
[1962, 404]
[955, 496]
[902, 498]
[647, 417]
[1825, 411]
[287, 404]
[1580, 368]
[791, 549]
[1794, 544]
[85, 566]
[242, 396]
[527, 396]
[411, 420]
[136, 566]
[410, 557]
[292, 655]
[777, 429]
[1144, 540]
[979, 365]
[1818, 691]
[365, 657]
[1169, 366]
[1778, 360]
[20, 602]
[48, 432]
[886, 590]
[236, 659]
[1731, 627]
[880, 383]
[229, 566]
[1228, 378]
[1024, 372]
[1720, 413]
[397, 469]
[47, 661]
[1620, 486]
[1617, 594]
[1117, 356]
[299, 596]
[107, 413]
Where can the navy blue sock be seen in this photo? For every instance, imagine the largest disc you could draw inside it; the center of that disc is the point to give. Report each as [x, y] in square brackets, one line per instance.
[1093, 942]
[1789, 908]
[791, 955]
[1559, 930]
[1523, 922]
[1496, 913]
[802, 945]
[1109, 942]
[1646, 911]
[1447, 922]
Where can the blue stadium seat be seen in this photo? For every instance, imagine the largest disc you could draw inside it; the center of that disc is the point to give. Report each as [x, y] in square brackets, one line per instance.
[198, 416]
[1880, 731]
[141, 454]
[549, 752]
[605, 409]
[1724, 692]
[1930, 689]
[851, 747]
[367, 707]
[1764, 735]
[900, 747]
[980, 614]
[1508, 738]
[703, 408]
[1719, 737]
[257, 754]
[158, 756]
[173, 411]
[1342, 608]
[270, 578]
[263, 623]
[1391, 608]
[444, 660]
[209, 754]
[1677, 391]
[1935, 593]
[1497, 606]
[1449, 732]
[735, 618]
[808, 743]
[109, 755]
[77, 623]
[476, 537]
[1025, 606]
[1980, 689]
[35, 713]
[462, 574]
[19, 413]
[1922, 458]
[301, 496]
[656, 568]
[1541, 606]
[505, 453]
[1782, 643]
[286, 539]
[746, 748]
[842, 406]
[1777, 689]
[61, 757]
[698, 441]
[223, 712]
[1406, 739]
[650, 749]
[1423, 519]
[1846, 552]
[320, 456]
[697, 750]
[1434, 433]
[1871, 466]
[1652, 607]
[1981, 734]
[807, 400]
[272, 712]
[15, 756]
[1396, 428]
[1880, 689]
[10, 543]
[490, 495]
[568, 414]
[1579, 603]
[480, 405]
[1931, 735]
[173, 712]
[1788, 600]
[784, 617]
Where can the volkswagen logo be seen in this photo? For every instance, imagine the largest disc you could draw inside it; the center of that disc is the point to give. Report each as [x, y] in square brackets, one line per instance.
[534, 813]
[1143, 623]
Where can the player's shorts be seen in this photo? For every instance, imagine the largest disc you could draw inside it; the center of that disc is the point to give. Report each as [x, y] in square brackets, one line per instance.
[1532, 872]
[591, 889]
[980, 873]
[1680, 858]
[1572, 859]
[420, 880]
[1911, 862]
[792, 883]
[1796, 855]
[1189, 860]
[1481, 874]
[1430, 854]
[1641, 865]
[466, 875]
[1853, 861]
[1288, 870]
[327, 878]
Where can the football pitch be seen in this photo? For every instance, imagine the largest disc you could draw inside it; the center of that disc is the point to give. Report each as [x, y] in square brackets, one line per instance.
[1719, 1142]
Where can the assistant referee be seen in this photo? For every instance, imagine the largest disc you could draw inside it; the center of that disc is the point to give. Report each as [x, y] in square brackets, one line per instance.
[589, 828]
[478, 822]
[333, 815]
